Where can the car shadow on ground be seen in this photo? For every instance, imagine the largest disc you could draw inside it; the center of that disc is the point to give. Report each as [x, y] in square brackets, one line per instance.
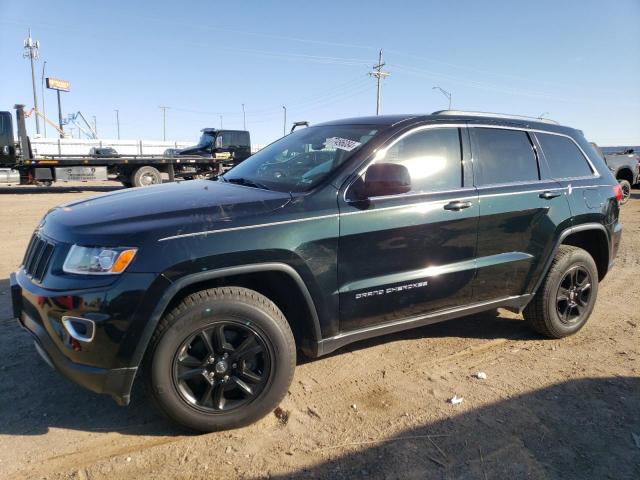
[488, 325]
[577, 429]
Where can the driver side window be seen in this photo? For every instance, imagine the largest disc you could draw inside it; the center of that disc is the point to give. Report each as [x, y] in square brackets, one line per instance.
[433, 158]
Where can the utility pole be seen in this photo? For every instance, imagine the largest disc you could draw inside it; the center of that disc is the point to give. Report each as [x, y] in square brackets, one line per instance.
[284, 125]
[95, 126]
[118, 122]
[164, 122]
[445, 93]
[244, 119]
[44, 121]
[31, 47]
[221, 122]
[378, 74]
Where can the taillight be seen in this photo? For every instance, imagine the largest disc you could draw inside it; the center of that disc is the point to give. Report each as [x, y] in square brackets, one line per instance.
[617, 190]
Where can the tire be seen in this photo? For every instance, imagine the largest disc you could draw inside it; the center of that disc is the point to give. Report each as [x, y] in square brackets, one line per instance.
[195, 384]
[145, 176]
[626, 191]
[545, 313]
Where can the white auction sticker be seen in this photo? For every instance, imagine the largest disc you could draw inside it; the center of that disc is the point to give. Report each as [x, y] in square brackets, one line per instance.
[341, 143]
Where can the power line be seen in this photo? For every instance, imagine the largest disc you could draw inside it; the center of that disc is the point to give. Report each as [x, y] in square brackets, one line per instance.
[378, 74]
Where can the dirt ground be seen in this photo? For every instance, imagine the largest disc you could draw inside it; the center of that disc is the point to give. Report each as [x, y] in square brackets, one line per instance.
[548, 409]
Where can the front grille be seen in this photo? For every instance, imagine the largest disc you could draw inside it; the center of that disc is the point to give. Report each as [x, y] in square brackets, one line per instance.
[37, 258]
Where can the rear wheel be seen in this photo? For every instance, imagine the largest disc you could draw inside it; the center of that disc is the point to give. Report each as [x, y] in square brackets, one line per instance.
[145, 176]
[223, 358]
[567, 295]
[625, 185]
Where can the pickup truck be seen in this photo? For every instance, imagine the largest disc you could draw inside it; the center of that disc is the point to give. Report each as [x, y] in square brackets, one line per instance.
[625, 166]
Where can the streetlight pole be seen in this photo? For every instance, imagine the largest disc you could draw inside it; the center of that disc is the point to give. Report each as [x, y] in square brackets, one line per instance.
[118, 122]
[445, 93]
[221, 122]
[244, 119]
[164, 122]
[31, 47]
[44, 121]
[284, 125]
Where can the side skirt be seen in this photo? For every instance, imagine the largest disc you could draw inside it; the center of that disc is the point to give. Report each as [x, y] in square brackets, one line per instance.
[330, 344]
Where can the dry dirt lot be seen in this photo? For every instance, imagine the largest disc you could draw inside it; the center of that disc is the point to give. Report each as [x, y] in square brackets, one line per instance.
[549, 409]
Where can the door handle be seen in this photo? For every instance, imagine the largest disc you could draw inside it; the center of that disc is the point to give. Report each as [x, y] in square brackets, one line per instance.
[548, 195]
[457, 205]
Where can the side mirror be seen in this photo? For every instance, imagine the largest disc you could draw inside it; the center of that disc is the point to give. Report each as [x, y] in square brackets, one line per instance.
[382, 179]
[218, 142]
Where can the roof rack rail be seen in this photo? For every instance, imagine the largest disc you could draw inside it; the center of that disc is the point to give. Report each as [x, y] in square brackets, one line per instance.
[496, 115]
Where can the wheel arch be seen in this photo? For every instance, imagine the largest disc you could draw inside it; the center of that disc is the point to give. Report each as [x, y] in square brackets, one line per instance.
[625, 173]
[306, 328]
[592, 237]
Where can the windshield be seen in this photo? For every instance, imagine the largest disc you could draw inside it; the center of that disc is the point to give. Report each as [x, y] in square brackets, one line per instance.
[206, 140]
[298, 161]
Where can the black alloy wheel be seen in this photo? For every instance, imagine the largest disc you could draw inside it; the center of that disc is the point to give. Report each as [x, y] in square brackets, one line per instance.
[220, 358]
[574, 295]
[564, 301]
[221, 367]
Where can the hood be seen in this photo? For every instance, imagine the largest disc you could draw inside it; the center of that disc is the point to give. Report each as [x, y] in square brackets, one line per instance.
[135, 216]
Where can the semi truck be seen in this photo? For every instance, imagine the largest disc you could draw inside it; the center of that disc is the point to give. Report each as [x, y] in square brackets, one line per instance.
[217, 151]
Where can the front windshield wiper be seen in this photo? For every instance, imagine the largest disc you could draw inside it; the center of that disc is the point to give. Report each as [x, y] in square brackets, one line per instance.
[246, 182]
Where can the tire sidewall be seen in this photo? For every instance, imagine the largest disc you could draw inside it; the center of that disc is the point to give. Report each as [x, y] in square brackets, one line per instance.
[196, 317]
[625, 184]
[137, 176]
[575, 259]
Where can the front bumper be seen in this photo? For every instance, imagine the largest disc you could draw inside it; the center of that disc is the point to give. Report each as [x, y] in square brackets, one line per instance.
[102, 365]
[116, 382]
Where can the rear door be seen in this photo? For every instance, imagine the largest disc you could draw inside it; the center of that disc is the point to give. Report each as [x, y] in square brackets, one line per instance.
[569, 166]
[520, 210]
[405, 255]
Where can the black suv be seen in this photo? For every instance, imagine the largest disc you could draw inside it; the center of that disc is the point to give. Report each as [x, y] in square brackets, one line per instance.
[332, 234]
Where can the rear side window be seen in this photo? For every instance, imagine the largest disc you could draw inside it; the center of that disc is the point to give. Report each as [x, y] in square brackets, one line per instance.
[433, 158]
[563, 156]
[503, 156]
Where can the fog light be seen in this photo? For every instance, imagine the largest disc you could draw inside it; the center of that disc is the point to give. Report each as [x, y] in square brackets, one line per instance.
[81, 329]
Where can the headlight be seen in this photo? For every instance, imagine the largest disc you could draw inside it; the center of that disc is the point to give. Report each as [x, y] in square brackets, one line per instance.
[98, 260]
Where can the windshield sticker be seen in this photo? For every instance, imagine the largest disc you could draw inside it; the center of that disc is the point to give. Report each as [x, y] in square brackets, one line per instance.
[341, 143]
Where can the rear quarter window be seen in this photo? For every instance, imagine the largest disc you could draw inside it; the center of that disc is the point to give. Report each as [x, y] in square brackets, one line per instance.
[503, 156]
[563, 156]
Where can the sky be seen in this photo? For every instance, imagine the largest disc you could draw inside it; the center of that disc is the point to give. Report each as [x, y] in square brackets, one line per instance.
[575, 61]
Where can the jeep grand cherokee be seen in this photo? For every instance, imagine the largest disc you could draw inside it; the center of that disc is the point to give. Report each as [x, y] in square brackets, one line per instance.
[335, 233]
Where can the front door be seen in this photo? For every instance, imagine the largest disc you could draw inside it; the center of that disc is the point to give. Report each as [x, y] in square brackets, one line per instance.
[406, 255]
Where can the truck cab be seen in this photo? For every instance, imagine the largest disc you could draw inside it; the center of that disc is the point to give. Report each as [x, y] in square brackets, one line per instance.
[7, 142]
[232, 145]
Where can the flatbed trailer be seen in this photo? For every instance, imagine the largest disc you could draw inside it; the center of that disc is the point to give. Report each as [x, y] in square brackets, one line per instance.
[131, 170]
[18, 165]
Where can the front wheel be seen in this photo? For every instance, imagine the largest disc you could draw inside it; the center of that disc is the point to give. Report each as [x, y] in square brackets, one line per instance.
[565, 300]
[223, 358]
